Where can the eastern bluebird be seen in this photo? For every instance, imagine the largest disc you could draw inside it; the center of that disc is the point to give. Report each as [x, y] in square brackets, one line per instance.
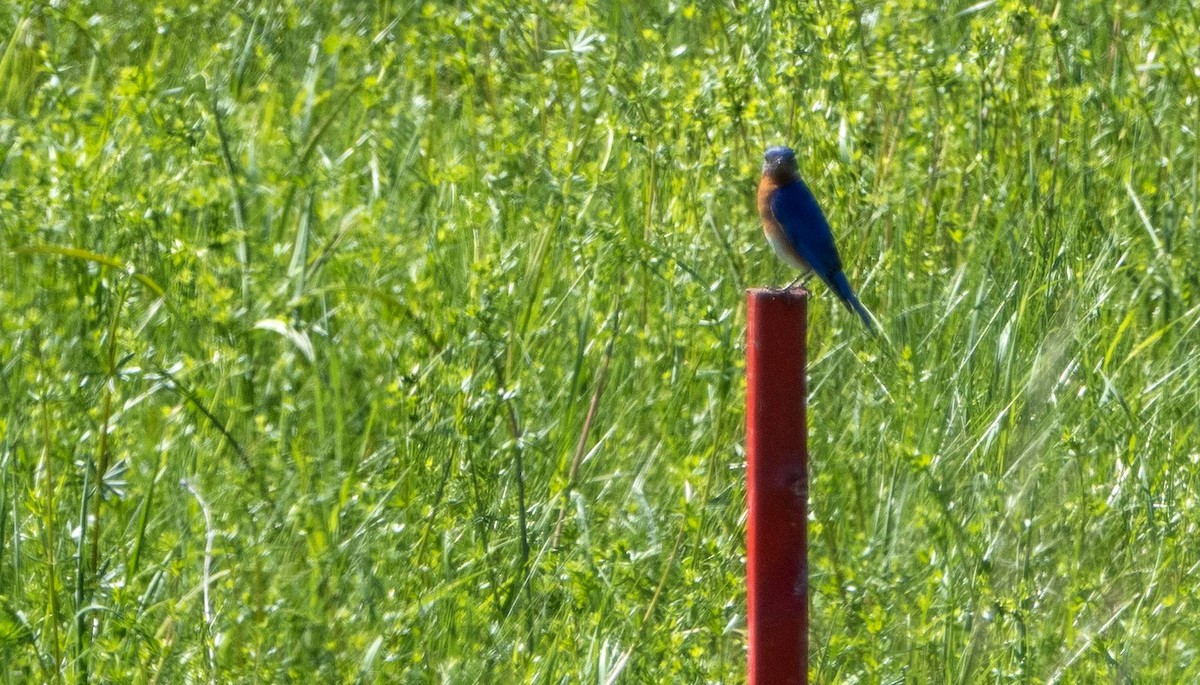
[797, 229]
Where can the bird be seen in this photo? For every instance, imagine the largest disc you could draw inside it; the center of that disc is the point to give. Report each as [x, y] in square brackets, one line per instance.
[797, 229]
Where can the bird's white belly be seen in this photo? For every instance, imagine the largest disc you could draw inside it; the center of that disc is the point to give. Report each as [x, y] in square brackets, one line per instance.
[785, 253]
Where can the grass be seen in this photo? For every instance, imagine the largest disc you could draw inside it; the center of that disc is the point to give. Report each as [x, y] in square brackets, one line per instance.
[383, 342]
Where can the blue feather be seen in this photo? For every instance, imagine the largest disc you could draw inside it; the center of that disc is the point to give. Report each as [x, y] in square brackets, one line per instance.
[808, 231]
[845, 293]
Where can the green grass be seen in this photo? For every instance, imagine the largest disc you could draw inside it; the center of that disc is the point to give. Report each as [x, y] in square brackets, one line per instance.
[392, 343]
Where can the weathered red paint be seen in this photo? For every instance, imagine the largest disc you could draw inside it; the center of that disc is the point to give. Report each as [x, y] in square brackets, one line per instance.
[777, 486]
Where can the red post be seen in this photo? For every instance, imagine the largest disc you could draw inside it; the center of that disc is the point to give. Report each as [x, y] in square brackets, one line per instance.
[777, 486]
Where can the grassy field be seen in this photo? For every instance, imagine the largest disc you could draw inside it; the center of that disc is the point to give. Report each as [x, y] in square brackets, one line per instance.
[384, 342]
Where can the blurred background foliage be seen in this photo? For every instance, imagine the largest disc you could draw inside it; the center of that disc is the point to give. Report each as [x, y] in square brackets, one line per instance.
[402, 342]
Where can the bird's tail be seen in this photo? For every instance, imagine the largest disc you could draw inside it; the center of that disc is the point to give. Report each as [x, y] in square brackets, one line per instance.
[841, 287]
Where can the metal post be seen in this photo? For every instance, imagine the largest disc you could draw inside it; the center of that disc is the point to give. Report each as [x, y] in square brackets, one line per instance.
[777, 486]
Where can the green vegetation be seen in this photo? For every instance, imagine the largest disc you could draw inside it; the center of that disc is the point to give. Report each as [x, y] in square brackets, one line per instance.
[403, 343]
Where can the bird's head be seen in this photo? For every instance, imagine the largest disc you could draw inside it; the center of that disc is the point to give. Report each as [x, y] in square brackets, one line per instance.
[780, 164]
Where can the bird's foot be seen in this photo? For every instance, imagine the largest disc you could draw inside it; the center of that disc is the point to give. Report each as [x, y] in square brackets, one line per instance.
[801, 280]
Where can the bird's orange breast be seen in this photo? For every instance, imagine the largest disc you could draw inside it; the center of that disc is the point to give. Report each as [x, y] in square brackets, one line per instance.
[771, 226]
[766, 186]
[774, 231]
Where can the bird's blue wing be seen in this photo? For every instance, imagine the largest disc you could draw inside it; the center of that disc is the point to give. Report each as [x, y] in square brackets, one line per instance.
[806, 229]
[797, 211]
